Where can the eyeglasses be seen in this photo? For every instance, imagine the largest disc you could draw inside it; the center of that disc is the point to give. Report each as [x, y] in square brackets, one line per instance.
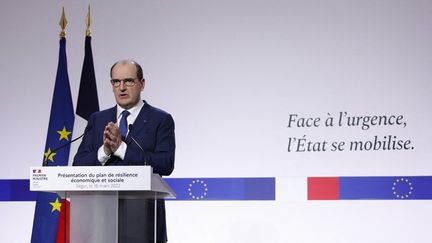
[127, 81]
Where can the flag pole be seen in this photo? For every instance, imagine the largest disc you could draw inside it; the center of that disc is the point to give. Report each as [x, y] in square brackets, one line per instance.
[63, 23]
[88, 22]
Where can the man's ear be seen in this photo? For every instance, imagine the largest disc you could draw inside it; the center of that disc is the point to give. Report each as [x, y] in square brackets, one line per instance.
[143, 84]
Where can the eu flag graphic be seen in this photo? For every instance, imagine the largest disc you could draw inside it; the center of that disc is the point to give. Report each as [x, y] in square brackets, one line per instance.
[223, 188]
[385, 188]
[370, 188]
[48, 205]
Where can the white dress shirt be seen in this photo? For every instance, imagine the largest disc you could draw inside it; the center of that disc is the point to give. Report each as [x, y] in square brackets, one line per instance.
[121, 151]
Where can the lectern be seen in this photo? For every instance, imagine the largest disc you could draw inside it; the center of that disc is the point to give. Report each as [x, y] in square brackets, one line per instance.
[94, 193]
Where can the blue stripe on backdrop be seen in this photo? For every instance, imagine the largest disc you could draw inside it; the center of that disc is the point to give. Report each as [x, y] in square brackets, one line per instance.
[16, 190]
[223, 188]
[385, 188]
[351, 188]
[185, 188]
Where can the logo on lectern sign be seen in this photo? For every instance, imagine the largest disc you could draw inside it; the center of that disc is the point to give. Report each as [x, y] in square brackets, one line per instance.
[38, 175]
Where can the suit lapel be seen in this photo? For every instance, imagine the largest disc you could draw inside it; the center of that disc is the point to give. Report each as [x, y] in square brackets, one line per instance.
[112, 115]
[141, 120]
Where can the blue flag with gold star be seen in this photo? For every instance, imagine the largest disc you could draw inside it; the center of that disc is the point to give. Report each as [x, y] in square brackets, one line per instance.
[48, 205]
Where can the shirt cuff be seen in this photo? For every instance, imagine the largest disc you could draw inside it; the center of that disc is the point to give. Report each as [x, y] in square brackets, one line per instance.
[102, 157]
[121, 151]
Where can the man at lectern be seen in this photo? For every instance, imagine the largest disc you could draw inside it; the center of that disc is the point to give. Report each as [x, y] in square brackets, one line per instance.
[131, 133]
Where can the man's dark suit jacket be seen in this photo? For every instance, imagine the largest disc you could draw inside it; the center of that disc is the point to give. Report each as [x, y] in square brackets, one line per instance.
[153, 129]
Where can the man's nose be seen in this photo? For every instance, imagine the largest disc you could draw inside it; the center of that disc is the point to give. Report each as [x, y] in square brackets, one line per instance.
[122, 86]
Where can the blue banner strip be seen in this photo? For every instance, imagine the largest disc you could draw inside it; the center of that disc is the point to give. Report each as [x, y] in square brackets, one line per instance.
[185, 188]
[350, 188]
[385, 188]
[223, 188]
[16, 190]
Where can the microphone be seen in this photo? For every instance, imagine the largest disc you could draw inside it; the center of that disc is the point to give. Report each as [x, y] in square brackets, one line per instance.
[135, 141]
[45, 162]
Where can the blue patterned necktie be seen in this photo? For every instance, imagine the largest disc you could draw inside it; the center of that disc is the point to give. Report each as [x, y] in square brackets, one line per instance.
[124, 124]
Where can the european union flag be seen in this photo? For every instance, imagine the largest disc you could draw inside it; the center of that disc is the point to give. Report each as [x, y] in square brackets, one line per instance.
[223, 188]
[48, 205]
[385, 187]
[370, 188]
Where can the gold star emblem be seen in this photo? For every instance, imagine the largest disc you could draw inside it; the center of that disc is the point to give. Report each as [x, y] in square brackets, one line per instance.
[55, 205]
[64, 134]
[49, 155]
